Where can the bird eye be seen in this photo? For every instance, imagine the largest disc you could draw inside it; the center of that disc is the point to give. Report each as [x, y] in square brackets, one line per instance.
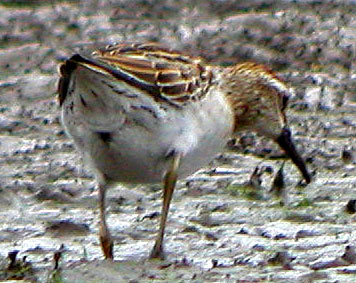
[285, 99]
[286, 132]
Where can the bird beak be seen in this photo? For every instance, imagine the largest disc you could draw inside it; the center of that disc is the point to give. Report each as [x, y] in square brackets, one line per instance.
[285, 142]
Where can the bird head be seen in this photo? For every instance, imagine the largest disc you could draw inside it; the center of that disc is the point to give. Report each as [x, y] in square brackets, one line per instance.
[259, 99]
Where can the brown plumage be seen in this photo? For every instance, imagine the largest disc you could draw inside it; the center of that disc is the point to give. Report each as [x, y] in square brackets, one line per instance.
[140, 113]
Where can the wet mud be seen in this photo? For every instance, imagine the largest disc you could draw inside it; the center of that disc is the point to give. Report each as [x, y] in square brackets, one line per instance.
[230, 222]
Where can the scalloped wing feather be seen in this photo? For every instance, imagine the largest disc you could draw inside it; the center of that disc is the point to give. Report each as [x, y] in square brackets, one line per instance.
[170, 75]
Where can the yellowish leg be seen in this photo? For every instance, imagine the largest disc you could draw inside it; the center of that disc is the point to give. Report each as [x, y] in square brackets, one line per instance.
[105, 237]
[170, 180]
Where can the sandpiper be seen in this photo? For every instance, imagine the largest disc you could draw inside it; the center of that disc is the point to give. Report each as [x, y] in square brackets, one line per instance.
[141, 113]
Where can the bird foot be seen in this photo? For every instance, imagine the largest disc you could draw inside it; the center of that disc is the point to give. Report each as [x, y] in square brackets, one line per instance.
[107, 246]
[157, 252]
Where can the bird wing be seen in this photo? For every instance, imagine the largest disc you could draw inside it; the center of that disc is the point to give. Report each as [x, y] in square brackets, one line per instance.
[162, 73]
[146, 80]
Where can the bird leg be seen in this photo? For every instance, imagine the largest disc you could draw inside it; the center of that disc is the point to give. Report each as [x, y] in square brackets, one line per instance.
[105, 237]
[170, 180]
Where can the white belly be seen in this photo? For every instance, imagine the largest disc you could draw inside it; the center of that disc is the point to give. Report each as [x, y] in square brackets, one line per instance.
[138, 147]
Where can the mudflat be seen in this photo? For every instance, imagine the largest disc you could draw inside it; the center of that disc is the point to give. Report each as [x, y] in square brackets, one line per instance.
[223, 226]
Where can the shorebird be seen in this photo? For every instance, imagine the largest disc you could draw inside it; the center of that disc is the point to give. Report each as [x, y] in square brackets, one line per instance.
[141, 113]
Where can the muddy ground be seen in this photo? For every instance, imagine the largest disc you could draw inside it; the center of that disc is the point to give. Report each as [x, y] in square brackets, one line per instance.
[220, 228]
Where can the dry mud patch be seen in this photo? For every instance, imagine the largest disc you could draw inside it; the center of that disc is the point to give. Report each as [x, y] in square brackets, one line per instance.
[219, 229]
